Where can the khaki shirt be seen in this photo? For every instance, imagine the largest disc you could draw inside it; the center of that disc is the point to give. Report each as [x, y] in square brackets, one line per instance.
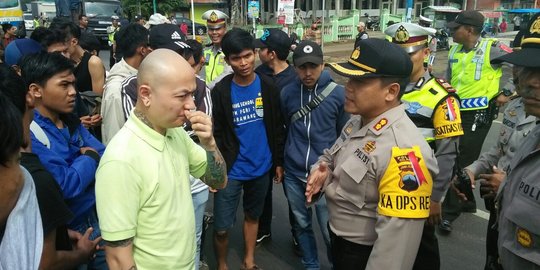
[516, 125]
[519, 201]
[358, 191]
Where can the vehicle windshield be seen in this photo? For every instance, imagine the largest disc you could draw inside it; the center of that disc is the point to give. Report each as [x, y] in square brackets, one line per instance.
[101, 9]
[28, 17]
[9, 3]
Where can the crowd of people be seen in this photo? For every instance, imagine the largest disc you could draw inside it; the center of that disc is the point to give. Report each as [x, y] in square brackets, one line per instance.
[114, 170]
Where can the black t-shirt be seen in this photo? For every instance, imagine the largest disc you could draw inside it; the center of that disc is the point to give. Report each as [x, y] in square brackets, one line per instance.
[55, 214]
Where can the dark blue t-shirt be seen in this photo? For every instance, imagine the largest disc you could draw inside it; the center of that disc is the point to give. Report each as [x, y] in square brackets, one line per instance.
[254, 158]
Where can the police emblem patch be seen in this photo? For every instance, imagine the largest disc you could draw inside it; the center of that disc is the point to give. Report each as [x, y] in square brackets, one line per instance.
[402, 35]
[524, 238]
[410, 173]
[355, 54]
[380, 124]
[348, 129]
[369, 147]
[413, 107]
[535, 26]
[213, 17]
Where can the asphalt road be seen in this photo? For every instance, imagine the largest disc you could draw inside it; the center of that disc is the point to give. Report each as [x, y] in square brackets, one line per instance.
[463, 249]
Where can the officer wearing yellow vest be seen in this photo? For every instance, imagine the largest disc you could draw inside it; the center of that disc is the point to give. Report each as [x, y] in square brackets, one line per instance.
[215, 66]
[35, 22]
[378, 176]
[476, 81]
[432, 43]
[111, 31]
[433, 106]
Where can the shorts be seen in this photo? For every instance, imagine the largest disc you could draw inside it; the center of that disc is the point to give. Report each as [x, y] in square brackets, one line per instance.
[226, 200]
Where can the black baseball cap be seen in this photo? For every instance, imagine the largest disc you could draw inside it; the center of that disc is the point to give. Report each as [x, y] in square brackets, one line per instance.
[273, 38]
[167, 36]
[307, 52]
[467, 17]
[529, 53]
[375, 58]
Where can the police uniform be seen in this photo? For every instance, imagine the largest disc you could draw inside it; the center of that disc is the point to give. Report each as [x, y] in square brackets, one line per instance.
[433, 106]
[111, 32]
[477, 83]
[519, 195]
[215, 66]
[379, 191]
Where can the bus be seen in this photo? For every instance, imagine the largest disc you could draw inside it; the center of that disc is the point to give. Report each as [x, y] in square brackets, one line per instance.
[11, 11]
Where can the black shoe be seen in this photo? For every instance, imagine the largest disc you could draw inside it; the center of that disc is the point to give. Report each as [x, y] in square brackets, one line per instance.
[262, 236]
[445, 226]
[296, 248]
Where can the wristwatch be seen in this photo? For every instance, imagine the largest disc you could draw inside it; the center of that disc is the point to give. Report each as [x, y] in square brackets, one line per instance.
[509, 89]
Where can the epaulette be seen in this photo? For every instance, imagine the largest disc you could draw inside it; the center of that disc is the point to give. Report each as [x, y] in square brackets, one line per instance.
[446, 85]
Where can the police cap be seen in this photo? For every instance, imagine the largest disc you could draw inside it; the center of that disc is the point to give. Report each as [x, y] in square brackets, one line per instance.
[215, 19]
[530, 47]
[375, 58]
[411, 37]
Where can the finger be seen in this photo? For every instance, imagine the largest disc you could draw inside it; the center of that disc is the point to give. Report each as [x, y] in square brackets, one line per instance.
[96, 241]
[88, 232]
[497, 170]
[486, 177]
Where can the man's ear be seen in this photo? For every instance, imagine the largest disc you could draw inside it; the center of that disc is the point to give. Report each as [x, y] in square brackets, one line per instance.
[145, 94]
[392, 93]
[30, 100]
[35, 90]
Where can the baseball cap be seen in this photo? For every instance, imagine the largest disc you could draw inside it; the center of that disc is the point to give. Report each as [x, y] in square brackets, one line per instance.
[375, 58]
[167, 36]
[529, 53]
[157, 19]
[307, 52]
[468, 17]
[137, 18]
[18, 48]
[273, 38]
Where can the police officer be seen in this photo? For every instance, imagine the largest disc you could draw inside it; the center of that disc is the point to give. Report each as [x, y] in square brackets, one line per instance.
[216, 68]
[111, 31]
[378, 175]
[477, 84]
[432, 41]
[433, 106]
[491, 166]
[519, 195]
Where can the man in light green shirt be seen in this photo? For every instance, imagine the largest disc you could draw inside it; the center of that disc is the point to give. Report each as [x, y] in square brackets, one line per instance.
[142, 184]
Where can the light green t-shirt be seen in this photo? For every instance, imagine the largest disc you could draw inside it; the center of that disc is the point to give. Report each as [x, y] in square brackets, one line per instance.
[143, 191]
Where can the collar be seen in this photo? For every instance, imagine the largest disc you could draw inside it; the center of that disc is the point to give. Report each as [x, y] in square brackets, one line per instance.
[145, 133]
[130, 69]
[70, 121]
[381, 122]
[474, 47]
[418, 84]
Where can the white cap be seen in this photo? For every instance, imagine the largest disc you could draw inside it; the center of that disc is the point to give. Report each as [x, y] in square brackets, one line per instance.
[215, 19]
[411, 37]
[157, 18]
[425, 19]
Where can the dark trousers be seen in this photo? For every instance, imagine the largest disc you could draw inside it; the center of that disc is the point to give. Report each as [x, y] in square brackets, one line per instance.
[492, 236]
[265, 221]
[470, 146]
[347, 255]
[428, 256]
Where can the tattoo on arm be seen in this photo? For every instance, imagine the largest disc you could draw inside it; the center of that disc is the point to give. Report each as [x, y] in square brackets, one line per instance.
[120, 243]
[216, 170]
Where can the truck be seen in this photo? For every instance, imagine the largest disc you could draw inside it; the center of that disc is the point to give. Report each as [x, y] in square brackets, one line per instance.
[11, 11]
[99, 13]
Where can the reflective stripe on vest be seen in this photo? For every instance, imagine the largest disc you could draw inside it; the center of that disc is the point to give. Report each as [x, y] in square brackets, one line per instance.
[215, 64]
[420, 105]
[473, 76]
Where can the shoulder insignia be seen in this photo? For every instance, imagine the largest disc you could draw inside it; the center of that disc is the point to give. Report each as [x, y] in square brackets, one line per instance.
[445, 85]
[369, 147]
[512, 113]
[380, 124]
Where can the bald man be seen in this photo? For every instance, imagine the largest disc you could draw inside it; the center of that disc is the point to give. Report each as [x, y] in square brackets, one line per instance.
[142, 184]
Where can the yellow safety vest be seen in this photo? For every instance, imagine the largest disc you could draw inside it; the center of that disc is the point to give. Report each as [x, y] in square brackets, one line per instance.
[111, 35]
[36, 23]
[476, 81]
[215, 63]
[421, 106]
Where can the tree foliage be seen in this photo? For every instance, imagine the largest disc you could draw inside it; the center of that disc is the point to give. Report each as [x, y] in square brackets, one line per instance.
[132, 7]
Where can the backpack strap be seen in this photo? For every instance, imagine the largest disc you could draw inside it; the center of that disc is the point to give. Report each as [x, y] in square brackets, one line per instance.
[306, 109]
